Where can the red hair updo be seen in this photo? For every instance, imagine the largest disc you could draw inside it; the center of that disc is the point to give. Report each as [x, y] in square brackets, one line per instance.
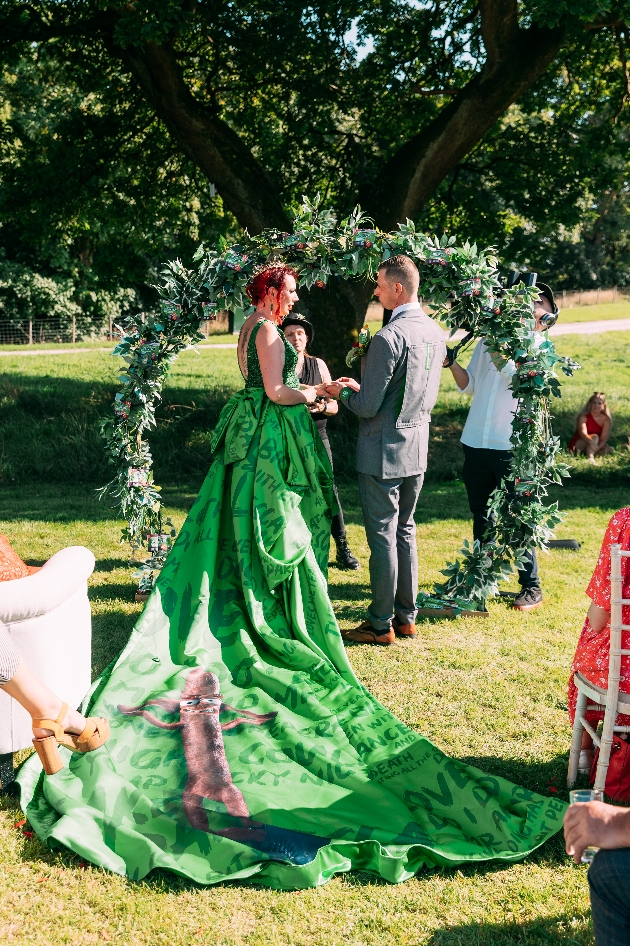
[272, 277]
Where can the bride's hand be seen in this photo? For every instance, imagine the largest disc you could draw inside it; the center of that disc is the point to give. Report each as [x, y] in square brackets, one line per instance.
[309, 393]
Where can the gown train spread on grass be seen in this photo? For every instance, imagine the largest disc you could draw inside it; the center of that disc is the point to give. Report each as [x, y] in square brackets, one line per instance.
[243, 745]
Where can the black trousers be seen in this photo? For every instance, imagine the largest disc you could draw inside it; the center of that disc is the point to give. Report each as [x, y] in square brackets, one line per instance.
[337, 526]
[609, 880]
[482, 473]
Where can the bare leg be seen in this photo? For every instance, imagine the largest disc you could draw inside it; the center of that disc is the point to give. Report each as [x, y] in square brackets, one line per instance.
[592, 447]
[580, 446]
[587, 740]
[40, 702]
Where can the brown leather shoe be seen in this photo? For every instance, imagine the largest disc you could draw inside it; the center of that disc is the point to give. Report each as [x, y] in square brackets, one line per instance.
[366, 634]
[403, 630]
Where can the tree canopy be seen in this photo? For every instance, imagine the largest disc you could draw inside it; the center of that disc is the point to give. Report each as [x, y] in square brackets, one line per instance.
[132, 130]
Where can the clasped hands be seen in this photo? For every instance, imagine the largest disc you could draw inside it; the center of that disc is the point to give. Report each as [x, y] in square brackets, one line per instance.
[326, 391]
[335, 388]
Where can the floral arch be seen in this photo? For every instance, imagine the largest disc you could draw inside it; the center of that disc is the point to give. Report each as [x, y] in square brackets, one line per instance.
[321, 247]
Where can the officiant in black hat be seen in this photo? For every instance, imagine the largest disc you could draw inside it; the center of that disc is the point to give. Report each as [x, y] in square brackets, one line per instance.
[313, 371]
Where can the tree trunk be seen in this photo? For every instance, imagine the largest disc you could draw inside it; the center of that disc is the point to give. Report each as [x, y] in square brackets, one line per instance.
[245, 187]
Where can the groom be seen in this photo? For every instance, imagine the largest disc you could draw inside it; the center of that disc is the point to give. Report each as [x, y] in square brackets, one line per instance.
[399, 387]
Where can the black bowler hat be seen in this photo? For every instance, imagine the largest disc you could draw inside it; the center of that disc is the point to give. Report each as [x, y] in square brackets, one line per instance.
[298, 319]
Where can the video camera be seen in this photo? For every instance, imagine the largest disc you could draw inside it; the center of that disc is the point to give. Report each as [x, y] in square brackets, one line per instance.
[529, 280]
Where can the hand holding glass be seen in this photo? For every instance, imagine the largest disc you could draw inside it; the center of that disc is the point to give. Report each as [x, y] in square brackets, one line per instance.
[581, 796]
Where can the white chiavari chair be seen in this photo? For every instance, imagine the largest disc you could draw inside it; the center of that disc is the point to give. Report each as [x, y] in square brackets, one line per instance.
[610, 700]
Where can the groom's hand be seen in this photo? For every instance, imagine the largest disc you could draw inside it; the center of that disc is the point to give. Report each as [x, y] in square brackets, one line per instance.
[335, 388]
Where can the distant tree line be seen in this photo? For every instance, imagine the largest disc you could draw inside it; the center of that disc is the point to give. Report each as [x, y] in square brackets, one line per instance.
[130, 132]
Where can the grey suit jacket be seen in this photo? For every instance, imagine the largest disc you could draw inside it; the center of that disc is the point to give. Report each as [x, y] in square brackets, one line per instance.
[399, 389]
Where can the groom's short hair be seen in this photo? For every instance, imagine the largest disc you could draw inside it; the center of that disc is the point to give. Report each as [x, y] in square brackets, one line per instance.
[402, 269]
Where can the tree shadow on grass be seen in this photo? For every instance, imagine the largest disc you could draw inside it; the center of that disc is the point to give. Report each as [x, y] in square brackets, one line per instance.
[562, 929]
[113, 564]
[114, 591]
[110, 633]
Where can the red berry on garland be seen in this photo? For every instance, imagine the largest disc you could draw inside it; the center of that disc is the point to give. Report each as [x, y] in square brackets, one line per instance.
[532, 374]
[319, 283]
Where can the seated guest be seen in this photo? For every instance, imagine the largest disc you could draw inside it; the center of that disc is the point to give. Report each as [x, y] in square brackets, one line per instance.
[592, 652]
[53, 722]
[592, 429]
[313, 372]
[607, 827]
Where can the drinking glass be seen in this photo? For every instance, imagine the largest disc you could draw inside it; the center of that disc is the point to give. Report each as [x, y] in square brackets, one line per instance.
[580, 796]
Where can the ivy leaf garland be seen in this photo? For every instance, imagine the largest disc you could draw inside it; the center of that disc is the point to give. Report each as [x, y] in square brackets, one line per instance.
[320, 247]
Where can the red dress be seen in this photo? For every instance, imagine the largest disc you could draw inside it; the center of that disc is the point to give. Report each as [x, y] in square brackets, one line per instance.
[592, 427]
[592, 652]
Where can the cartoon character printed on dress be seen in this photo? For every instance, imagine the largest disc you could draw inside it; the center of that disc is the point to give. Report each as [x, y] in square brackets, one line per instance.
[209, 776]
[200, 707]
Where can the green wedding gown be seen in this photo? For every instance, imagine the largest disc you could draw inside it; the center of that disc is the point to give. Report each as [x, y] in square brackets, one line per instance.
[243, 746]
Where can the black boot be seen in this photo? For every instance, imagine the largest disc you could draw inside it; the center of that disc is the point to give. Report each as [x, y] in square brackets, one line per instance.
[345, 558]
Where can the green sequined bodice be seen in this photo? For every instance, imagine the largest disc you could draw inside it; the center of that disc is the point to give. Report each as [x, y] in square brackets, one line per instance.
[254, 374]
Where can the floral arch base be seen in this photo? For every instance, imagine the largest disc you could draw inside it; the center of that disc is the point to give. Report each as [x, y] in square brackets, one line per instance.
[459, 281]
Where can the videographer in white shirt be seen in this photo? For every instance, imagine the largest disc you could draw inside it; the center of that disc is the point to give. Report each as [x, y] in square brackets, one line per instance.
[486, 438]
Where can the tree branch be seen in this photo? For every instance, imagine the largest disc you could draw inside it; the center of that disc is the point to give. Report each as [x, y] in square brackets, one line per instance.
[245, 187]
[515, 59]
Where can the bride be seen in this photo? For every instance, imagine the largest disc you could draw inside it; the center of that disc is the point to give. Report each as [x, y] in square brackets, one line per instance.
[243, 745]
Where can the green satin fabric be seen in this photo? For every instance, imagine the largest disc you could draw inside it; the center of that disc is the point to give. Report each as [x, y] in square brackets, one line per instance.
[244, 596]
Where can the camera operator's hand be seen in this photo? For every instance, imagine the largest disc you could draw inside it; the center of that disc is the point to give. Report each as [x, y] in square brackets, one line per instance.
[460, 374]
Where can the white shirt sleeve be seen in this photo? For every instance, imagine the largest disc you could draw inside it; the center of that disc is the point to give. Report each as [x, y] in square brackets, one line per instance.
[472, 370]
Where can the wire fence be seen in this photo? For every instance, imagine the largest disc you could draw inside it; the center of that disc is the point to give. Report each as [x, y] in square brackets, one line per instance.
[570, 298]
[72, 332]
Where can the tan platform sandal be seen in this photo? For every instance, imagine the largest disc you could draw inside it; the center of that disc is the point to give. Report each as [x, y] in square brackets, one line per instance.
[95, 734]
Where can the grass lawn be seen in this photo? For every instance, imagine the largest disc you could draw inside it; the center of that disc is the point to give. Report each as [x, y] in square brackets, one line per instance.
[593, 313]
[492, 692]
[585, 313]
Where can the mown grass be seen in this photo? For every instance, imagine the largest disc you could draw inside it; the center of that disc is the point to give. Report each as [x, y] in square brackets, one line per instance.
[51, 408]
[593, 313]
[490, 691]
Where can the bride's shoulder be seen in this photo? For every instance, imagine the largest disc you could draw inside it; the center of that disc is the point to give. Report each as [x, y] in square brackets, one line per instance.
[267, 330]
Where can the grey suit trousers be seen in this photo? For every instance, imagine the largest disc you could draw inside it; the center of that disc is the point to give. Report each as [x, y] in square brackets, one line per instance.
[388, 508]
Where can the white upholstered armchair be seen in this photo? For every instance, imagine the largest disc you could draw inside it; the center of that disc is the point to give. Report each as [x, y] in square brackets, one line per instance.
[48, 617]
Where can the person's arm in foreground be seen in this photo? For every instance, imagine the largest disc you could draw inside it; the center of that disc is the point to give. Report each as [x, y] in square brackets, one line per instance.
[598, 617]
[595, 824]
[271, 355]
